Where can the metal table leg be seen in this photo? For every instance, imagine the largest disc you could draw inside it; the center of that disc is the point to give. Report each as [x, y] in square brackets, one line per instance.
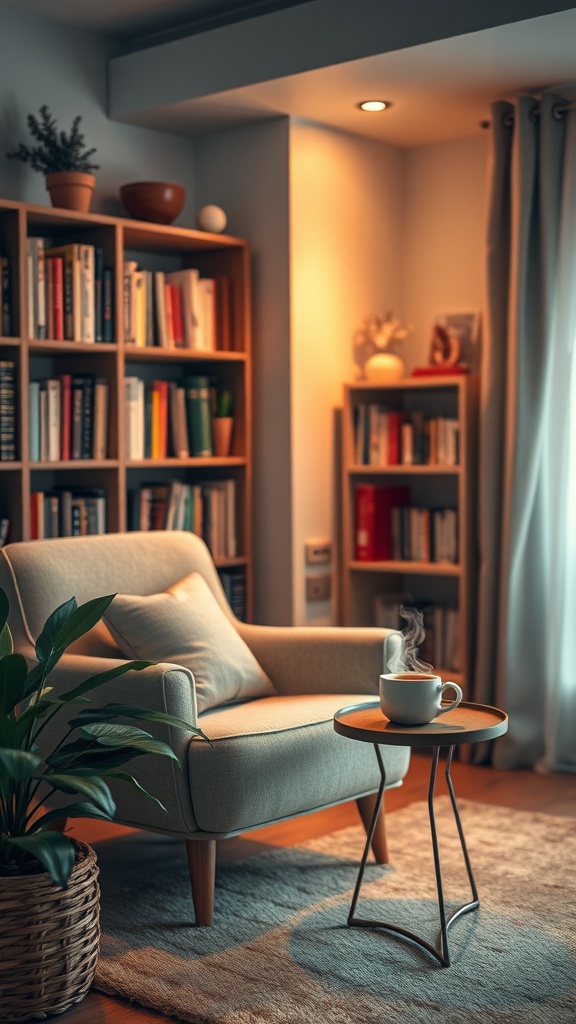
[440, 951]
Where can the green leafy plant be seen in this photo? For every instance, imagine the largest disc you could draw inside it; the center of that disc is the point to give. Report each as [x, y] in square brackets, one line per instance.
[91, 751]
[56, 151]
[224, 403]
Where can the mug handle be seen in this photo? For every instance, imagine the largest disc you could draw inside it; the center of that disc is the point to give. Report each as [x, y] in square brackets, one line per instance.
[455, 703]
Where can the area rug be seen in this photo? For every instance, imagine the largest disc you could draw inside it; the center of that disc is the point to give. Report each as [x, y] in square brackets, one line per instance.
[280, 951]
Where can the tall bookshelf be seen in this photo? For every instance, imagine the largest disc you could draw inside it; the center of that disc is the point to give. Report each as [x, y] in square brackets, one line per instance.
[153, 247]
[425, 470]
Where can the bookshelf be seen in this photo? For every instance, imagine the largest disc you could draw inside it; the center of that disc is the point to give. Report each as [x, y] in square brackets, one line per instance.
[223, 362]
[409, 511]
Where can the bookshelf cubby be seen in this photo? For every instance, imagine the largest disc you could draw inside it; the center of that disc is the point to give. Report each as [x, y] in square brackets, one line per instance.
[409, 536]
[227, 365]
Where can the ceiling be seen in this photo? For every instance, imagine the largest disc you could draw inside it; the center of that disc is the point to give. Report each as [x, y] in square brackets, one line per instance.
[439, 90]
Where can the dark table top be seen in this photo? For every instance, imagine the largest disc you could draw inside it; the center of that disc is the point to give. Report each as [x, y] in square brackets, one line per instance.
[468, 723]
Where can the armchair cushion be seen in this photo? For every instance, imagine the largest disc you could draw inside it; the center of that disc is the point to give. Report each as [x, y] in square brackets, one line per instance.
[186, 626]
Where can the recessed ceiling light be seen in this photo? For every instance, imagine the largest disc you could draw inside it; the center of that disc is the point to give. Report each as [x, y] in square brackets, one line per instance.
[374, 105]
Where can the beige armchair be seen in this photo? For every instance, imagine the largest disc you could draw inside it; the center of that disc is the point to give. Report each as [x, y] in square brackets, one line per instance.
[272, 758]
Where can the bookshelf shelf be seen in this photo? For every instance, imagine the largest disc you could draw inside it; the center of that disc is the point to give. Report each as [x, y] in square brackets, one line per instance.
[409, 457]
[36, 309]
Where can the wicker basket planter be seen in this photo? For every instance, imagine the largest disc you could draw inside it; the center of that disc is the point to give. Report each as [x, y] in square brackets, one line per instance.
[49, 940]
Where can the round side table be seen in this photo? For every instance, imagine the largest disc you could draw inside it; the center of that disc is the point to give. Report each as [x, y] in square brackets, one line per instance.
[468, 723]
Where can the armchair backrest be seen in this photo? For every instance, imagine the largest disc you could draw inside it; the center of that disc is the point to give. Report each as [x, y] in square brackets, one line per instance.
[38, 576]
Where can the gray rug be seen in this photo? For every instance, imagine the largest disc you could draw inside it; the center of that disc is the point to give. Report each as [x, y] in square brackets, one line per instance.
[280, 950]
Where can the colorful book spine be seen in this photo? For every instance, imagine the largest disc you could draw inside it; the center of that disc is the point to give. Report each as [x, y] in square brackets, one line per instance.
[199, 415]
[7, 411]
[107, 305]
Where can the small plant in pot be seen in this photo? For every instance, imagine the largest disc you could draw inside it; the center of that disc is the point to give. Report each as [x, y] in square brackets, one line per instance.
[62, 158]
[49, 896]
[223, 422]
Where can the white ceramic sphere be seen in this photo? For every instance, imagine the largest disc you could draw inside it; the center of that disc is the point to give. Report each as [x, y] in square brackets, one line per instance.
[211, 218]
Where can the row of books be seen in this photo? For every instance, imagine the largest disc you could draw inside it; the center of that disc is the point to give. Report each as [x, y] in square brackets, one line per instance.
[440, 647]
[385, 438]
[6, 323]
[70, 292]
[168, 418]
[387, 527]
[234, 584]
[177, 309]
[207, 509]
[64, 512]
[68, 418]
[7, 411]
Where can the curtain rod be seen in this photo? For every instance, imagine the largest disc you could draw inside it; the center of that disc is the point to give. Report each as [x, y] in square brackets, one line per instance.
[557, 110]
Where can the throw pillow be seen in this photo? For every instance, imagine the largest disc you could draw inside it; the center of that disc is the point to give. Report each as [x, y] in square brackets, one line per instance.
[186, 626]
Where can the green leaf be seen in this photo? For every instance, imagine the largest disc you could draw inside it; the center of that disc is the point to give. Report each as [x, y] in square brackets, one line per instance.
[125, 777]
[102, 677]
[81, 620]
[6, 641]
[54, 851]
[46, 641]
[92, 714]
[13, 672]
[19, 764]
[91, 786]
[78, 810]
[127, 736]
[4, 609]
[84, 757]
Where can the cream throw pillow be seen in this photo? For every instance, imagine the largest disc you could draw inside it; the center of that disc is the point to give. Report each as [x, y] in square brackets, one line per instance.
[186, 626]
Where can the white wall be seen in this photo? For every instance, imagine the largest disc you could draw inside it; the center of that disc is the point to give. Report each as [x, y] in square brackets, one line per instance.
[245, 171]
[345, 231]
[42, 62]
[444, 251]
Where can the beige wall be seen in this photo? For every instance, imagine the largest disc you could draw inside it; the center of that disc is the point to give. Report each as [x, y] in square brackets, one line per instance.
[345, 231]
[443, 254]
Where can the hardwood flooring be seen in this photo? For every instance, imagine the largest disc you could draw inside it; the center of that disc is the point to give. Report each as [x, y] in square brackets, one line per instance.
[551, 794]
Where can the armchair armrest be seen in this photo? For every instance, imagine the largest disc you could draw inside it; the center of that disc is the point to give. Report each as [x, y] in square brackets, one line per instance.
[327, 659]
[163, 687]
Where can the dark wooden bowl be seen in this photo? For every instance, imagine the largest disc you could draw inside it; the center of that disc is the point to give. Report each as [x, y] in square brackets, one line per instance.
[156, 201]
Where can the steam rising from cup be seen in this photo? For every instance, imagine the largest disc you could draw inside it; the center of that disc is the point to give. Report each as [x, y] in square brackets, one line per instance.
[404, 646]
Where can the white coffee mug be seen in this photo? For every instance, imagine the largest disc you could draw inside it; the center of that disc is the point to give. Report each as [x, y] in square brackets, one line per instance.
[415, 698]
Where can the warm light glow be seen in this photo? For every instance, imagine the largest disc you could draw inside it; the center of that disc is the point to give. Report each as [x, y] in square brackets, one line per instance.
[374, 105]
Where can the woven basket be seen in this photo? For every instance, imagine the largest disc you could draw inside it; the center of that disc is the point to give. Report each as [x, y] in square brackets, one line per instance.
[49, 940]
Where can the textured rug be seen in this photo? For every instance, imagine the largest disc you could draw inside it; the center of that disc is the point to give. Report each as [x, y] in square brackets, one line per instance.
[280, 951]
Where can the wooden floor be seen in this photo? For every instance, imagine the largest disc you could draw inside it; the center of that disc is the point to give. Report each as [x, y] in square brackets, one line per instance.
[552, 794]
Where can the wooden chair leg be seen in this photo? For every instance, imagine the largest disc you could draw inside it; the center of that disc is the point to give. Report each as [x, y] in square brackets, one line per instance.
[366, 806]
[202, 864]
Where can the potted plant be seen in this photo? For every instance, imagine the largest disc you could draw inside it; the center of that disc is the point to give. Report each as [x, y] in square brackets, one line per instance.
[49, 897]
[223, 422]
[62, 158]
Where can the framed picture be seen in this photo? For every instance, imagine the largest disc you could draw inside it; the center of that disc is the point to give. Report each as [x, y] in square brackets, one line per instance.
[455, 339]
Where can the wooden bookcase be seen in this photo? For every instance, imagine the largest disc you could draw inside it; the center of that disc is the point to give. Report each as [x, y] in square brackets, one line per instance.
[430, 583]
[155, 247]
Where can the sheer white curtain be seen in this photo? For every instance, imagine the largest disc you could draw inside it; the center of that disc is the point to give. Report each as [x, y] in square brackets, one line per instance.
[526, 642]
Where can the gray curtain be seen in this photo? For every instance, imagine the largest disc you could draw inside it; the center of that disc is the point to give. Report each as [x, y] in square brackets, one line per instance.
[527, 468]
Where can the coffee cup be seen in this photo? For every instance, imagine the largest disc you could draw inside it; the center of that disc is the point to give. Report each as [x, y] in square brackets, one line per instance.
[415, 698]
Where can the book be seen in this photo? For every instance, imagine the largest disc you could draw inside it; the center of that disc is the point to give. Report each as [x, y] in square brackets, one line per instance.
[65, 416]
[7, 411]
[87, 287]
[159, 441]
[107, 305]
[71, 256]
[5, 297]
[134, 417]
[198, 415]
[223, 330]
[55, 274]
[373, 520]
[34, 420]
[52, 425]
[177, 418]
[187, 281]
[100, 431]
[37, 321]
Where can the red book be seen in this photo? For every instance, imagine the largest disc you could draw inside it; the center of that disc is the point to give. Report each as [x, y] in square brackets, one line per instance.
[56, 298]
[65, 415]
[395, 420]
[439, 371]
[177, 324]
[33, 517]
[373, 520]
[169, 314]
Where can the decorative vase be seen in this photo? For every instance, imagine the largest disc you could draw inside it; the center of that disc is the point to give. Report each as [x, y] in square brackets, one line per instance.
[384, 368]
[71, 190]
[49, 940]
[222, 434]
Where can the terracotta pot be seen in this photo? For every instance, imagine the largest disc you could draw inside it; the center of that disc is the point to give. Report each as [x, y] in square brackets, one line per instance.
[222, 434]
[71, 190]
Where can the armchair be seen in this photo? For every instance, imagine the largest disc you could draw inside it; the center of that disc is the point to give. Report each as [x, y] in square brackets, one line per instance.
[272, 757]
